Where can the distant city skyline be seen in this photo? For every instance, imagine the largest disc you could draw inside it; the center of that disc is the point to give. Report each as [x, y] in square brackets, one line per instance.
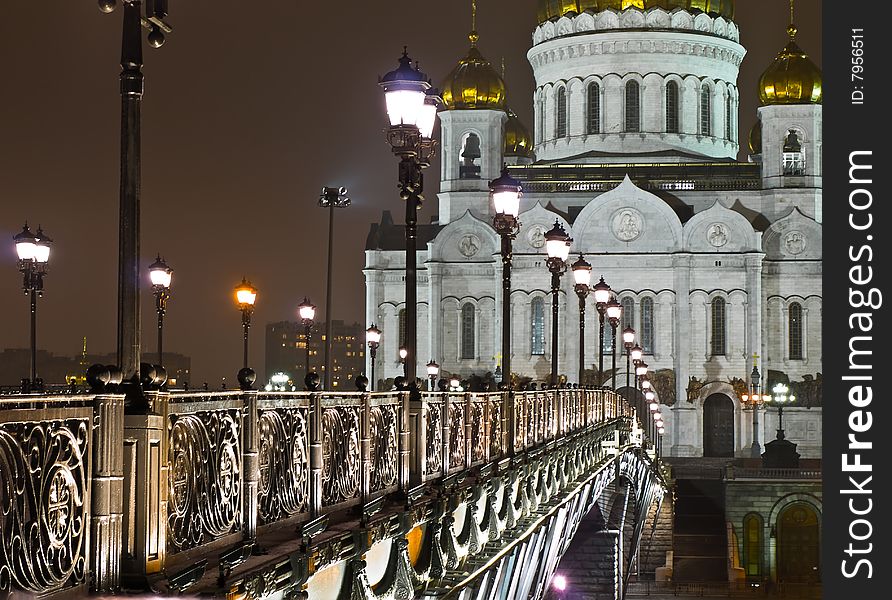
[231, 173]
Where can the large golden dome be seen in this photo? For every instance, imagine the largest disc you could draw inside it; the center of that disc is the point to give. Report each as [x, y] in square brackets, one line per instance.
[792, 78]
[550, 9]
[518, 141]
[473, 83]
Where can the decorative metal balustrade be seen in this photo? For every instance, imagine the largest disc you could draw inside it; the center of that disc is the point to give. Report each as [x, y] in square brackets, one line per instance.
[90, 495]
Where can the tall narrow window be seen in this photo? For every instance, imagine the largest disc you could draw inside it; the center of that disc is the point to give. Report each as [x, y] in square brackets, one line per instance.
[794, 157]
[647, 325]
[469, 166]
[594, 107]
[633, 107]
[537, 327]
[628, 318]
[729, 134]
[467, 331]
[541, 132]
[717, 345]
[705, 112]
[402, 327]
[672, 107]
[608, 339]
[561, 100]
[795, 327]
[752, 545]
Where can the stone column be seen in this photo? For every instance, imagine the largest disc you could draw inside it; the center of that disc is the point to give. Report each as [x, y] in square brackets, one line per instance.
[250, 463]
[754, 313]
[106, 508]
[681, 267]
[435, 294]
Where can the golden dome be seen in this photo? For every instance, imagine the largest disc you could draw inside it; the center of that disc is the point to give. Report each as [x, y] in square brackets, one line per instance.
[473, 83]
[792, 78]
[552, 9]
[755, 139]
[518, 141]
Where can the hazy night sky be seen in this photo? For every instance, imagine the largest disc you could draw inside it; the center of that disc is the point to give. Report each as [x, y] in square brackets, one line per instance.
[250, 108]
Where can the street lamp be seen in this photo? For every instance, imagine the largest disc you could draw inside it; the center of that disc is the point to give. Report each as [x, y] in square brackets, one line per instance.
[433, 369]
[373, 339]
[505, 192]
[779, 396]
[614, 312]
[582, 276]
[409, 109]
[557, 246]
[306, 310]
[331, 198]
[132, 85]
[628, 343]
[34, 253]
[602, 297]
[245, 297]
[754, 400]
[160, 276]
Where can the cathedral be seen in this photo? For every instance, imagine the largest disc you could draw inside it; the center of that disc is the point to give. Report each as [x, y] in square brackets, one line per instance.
[715, 261]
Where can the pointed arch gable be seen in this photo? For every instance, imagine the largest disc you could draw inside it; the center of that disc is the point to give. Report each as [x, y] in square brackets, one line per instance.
[720, 229]
[447, 246]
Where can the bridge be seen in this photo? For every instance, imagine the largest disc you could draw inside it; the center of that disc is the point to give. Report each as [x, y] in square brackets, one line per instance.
[253, 494]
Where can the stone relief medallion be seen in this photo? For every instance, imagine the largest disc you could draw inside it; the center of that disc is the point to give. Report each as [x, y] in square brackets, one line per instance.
[469, 245]
[794, 242]
[717, 234]
[627, 224]
[536, 236]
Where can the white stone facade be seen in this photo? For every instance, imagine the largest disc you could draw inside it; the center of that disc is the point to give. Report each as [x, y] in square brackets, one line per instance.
[671, 250]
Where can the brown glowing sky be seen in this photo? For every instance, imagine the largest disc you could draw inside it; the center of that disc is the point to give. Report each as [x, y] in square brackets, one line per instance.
[250, 108]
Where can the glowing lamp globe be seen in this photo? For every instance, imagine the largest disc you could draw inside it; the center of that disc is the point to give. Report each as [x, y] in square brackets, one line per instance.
[428, 116]
[602, 292]
[614, 310]
[653, 406]
[506, 192]
[636, 353]
[306, 310]
[557, 242]
[404, 93]
[628, 336]
[559, 582]
[661, 430]
[245, 294]
[582, 272]
[373, 335]
[160, 273]
[25, 244]
[433, 369]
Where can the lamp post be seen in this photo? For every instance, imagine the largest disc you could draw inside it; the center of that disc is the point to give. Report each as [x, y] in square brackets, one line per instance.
[614, 312]
[754, 400]
[160, 276]
[245, 297]
[433, 369]
[602, 297]
[132, 86]
[33, 251]
[628, 343]
[582, 276]
[331, 198]
[373, 339]
[505, 192]
[557, 246]
[306, 310]
[412, 114]
[779, 396]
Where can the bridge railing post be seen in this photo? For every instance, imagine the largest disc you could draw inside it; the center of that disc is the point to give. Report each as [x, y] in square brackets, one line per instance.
[365, 448]
[418, 409]
[107, 489]
[250, 463]
[405, 450]
[469, 433]
[315, 454]
[508, 424]
[445, 423]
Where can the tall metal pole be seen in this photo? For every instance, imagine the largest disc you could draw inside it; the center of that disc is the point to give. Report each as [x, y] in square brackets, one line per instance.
[33, 373]
[326, 375]
[132, 87]
[555, 287]
[506, 310]
[628, 366]
[600, 346]
[160, 337]
[613, 349]
[373, 351]
[581, 336]
[412, 203]
[246, 324]
[307, 327]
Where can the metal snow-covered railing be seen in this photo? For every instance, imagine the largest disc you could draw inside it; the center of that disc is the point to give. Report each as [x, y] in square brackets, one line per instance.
[93, 496]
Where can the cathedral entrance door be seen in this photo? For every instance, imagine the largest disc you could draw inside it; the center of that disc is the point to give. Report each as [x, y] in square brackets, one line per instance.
[718, 426]
[798, 546]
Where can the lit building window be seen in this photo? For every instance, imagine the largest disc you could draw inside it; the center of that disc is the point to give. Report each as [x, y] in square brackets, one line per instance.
[752, 545]
[628, 318]
[561, 113]
[633, 107]
[717, 345]
[795, 324]
[647, 325]
[467, 331]
[672, 107]
[594, 107]
[705, 111]
[537, 327]
[402, 328]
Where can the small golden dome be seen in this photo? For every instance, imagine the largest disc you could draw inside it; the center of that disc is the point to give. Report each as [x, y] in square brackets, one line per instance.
[518, 141]
[792, 78]
[473, 83]
[755, 139]
[553, 9]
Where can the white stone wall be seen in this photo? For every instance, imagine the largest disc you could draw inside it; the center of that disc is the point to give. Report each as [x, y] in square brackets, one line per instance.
[806, 120]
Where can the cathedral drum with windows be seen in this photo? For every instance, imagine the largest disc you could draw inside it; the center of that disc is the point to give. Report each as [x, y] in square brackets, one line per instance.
[716, 261]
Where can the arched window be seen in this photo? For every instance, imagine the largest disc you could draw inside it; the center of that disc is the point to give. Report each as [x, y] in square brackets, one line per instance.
[561, 99]
[541, 129]
[402, 327]
[467, 331]
[672, 107]
[607, 348]
[795, 326]
[594, 107]
[633, 107]
[752, 545]
[469, 166]
[717, 345]
[628, 318]
[647, 325]
[537, 327]
[794, 157]
[705, 112]
[729, 134]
